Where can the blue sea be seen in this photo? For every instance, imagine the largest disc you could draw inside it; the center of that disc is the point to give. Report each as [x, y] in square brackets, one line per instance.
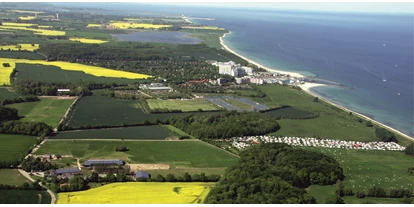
[371, 54]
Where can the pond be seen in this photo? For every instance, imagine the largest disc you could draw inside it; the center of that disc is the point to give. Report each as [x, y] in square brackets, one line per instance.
[160, 37]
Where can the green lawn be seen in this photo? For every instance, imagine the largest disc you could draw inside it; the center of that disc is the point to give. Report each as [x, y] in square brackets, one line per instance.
[364, 169]
[24, 197]
[65, 162]
[6, 94]
[140, 132]
[49, 110]
[11, 177]
[183, 105]
[332, 122]
[13, 147]
[178, 154]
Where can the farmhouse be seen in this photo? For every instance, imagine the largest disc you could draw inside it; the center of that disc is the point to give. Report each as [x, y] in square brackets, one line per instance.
[65, 172]
[141, 174]
[90, 163]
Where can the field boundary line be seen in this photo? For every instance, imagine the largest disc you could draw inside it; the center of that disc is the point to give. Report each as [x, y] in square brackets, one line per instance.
[66, 114]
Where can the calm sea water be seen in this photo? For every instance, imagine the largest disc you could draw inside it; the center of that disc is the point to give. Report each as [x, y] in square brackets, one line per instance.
[161, 37]
[371, 54]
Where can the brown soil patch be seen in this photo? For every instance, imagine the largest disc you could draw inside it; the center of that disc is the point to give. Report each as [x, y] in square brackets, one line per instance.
[137, 167]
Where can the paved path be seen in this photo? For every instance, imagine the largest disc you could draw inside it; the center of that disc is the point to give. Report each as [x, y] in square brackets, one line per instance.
[25, 174]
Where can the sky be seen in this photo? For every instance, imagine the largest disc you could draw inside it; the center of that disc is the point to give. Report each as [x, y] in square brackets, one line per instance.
[382, 7]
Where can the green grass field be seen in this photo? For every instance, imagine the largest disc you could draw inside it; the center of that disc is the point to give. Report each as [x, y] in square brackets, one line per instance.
[177, 154]
[185, 105]
[209, 37]
[6, 94]
[24, 197]
[44, 72]
[49, 110]
[332, 123]
[364, 169]
[140, 133]
[14, 146]
[100, 110]
[238, 104]
[11, 177]
[289, 112]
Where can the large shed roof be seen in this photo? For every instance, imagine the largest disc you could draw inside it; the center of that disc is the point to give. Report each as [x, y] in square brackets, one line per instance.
[103, 162]
[141, 174]
[68, 170]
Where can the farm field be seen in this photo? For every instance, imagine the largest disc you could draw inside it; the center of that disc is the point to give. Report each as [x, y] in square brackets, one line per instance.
[27, 17]
[11, 177]
[92, 70]
[177, 154]
[138, 133]
[20, 47]
[49, 110]
[88, 111]
[364, 169]
[44, 72]
[177, 131]
[184, 105]
[89, 41]
[332, 123]
[140, 193]
[15, 146]
[24, 197]
[131, 25]
[24, 55]
[6, 94]
[44, 32]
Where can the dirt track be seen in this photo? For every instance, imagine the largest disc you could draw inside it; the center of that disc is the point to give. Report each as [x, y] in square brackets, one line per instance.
[137, 167]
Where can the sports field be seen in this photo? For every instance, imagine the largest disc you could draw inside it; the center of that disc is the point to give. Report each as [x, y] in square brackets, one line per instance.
[183, 105]
[13, 146]
[138, 133]
[177, 154]
[140, 193]
[49, 110]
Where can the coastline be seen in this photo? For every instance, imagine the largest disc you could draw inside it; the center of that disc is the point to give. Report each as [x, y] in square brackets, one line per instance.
[307, 86]
[292, 74]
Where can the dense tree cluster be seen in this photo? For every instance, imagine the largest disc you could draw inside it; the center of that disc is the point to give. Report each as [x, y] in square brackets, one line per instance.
[275, 173]
[7, 114]
[24, 186]
[25, 128]
[409, 150]
[185, 177]
[36, 164]
[29, 98]
[225, 125]
[384, 135]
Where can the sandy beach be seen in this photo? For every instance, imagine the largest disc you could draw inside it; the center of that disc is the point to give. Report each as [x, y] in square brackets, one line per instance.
[292, 74]
[307, 86]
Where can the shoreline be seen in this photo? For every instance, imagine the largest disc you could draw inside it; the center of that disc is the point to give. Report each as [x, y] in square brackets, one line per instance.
[307, 86]
[292, 74]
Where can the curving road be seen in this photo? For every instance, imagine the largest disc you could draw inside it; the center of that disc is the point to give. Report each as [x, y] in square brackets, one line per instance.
[25, 174]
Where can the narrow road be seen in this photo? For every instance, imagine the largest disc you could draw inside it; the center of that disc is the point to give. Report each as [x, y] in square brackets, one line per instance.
[25, 174]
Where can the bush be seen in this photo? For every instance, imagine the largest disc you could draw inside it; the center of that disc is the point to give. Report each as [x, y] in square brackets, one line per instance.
[360, 194]
[377, 192]
[409, 150]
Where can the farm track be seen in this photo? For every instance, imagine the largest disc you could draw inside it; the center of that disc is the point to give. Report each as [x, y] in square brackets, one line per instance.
[25, 174]
[67, 112]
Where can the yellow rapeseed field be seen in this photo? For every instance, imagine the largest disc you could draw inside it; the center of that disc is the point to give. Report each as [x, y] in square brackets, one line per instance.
[5, 72]
[132, 19]
[27, 17]
[131, 25]
[36, 31]
[139, 193]
[44, 26]
[28, 47]
[14, 24]
[26, 11]
[92, 70]
[89, 41]
[93, 25]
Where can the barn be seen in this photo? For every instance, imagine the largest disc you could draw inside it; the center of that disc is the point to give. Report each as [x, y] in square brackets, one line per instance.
[90, 163]
[142, 174]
